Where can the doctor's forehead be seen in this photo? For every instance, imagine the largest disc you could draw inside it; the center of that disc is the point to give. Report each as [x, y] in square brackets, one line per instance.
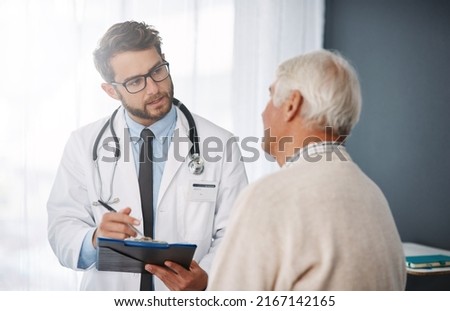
[132, 63]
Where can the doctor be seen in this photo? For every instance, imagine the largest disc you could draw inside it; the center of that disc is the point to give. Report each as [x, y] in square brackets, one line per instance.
[193, 188]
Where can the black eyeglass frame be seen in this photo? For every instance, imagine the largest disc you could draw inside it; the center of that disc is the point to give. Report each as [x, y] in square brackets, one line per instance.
[148, 75]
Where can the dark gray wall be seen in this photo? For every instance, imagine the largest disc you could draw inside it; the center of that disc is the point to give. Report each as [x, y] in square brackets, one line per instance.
[401, 50]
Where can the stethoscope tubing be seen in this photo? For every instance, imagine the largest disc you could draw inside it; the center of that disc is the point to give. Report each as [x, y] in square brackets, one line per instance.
[196, 165]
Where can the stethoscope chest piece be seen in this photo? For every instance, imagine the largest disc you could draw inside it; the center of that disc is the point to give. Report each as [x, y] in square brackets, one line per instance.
[196, 165]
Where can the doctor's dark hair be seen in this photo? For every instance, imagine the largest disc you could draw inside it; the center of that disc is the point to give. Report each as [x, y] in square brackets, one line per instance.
[123, 37]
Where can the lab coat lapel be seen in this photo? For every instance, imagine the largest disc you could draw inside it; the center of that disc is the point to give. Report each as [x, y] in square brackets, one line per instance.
[178, 151]
[126, 181]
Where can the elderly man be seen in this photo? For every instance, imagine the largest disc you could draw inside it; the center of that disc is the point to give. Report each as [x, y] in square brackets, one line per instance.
[319, 223]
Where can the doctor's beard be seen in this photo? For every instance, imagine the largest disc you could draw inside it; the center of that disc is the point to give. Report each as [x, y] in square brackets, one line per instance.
[144, 113]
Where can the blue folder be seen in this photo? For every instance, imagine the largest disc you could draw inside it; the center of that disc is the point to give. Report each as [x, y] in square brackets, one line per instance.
[133, 255]
[427, 261]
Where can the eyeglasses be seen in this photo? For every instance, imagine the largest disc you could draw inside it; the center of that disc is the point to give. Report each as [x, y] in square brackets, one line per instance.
[138, 83]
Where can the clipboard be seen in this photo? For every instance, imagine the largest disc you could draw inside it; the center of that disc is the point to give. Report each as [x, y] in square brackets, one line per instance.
[132, 255]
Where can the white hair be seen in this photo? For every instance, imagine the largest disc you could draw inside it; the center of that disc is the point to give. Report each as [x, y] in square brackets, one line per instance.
[329, 86]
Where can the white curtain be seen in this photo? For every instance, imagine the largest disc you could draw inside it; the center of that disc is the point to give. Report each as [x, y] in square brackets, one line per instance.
[222, 55]
[265, 35]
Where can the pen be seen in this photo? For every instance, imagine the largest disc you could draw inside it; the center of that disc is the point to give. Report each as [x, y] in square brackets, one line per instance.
[109, 208]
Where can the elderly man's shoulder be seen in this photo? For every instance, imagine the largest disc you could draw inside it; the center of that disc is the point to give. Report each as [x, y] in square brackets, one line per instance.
[305, 179]
[272, 184]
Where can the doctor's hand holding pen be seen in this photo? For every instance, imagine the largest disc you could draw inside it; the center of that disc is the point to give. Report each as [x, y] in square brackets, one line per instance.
[116, 225]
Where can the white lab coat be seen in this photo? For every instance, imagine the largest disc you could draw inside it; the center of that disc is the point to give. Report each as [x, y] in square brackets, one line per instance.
[179, 217]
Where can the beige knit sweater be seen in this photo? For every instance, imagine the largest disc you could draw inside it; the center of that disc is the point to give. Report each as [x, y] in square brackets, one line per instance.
[311, 226]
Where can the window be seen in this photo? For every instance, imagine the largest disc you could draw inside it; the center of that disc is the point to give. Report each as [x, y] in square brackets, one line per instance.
[222, 56]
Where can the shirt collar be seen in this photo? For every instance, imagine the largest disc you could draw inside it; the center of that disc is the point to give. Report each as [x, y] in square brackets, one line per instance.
[313, 149]
[161, 128]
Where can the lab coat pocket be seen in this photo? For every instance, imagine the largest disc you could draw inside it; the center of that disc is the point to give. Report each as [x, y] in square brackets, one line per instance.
[199, 214]
[203, 191]
[198, 220]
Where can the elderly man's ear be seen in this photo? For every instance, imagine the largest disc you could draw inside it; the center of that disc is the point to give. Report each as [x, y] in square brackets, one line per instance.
[292, 106]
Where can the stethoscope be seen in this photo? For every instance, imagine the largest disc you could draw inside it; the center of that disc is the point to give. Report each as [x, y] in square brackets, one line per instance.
[196, 164]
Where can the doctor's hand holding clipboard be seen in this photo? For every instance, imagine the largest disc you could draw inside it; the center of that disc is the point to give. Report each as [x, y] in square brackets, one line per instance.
[178, 278]
[119, 225]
